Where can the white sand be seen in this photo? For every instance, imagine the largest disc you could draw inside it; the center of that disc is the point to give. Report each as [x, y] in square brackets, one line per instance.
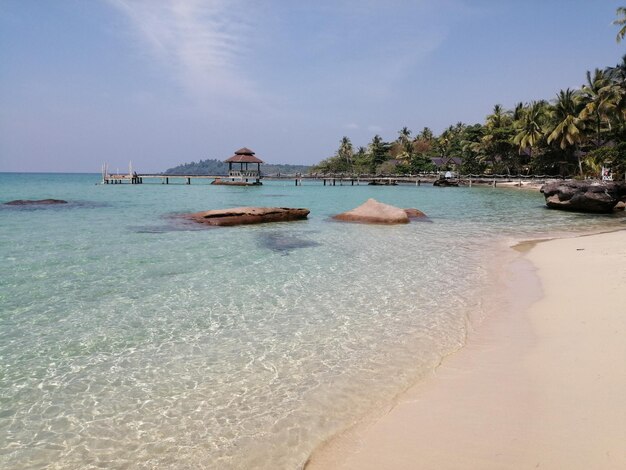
[541, 387]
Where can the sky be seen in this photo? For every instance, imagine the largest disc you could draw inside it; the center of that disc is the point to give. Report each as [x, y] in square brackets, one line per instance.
[163, 82]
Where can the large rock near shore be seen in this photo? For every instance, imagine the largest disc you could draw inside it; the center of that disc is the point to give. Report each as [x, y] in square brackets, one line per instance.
[33, 202]
[374, 212]
[583, 196]
[248, 215]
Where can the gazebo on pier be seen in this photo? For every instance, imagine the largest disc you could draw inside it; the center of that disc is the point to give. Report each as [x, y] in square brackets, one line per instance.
[245, 171]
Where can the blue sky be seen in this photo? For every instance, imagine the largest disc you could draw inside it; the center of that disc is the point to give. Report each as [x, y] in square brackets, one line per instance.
[161, 82]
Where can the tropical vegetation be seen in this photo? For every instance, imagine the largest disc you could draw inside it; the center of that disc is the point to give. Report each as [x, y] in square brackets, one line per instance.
[218, 167]
[577, 132]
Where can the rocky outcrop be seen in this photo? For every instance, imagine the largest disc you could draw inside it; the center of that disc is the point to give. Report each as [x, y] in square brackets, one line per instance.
[583, 196]
[248, 215]
[374, 212]
[32, 202]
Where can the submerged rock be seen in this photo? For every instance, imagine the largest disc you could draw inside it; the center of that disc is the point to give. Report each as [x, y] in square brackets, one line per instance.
[248, 215]
[32, 202]
[282, 243]
[583, 196]
[374, 212]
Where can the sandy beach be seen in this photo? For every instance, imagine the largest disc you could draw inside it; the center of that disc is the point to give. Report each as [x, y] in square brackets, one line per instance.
[540, 384]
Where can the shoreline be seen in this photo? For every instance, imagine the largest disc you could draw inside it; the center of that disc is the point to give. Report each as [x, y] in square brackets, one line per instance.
[538, 384]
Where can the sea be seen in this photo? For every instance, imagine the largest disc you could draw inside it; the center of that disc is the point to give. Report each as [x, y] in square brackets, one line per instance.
[132, 339]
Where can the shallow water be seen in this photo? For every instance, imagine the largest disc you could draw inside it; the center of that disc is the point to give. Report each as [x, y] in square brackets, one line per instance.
[131, 339]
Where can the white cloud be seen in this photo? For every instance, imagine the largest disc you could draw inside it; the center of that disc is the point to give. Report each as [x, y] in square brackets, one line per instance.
[201, 43]
[351, 125]
[374, 128]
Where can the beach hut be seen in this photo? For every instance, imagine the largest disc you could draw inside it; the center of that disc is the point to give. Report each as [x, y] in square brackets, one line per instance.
[447, 164]
[243, 168]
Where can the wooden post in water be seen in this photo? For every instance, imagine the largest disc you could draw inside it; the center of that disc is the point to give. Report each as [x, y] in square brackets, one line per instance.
[470, 181]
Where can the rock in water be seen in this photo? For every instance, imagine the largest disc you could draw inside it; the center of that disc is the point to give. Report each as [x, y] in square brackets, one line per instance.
[583, 196]
[415, 214]
[248, 215]
[446, 182]
[282, 243]
[31, 202]
[374, 212]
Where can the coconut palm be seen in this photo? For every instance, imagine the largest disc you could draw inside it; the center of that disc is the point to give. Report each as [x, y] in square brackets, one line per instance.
[378, 152]
[617, 75]
[498, 118]
[621, 22]
[404, 135]
[568, 128]
[600, 97]
[345, 151]
[530, 127]
[426, 134]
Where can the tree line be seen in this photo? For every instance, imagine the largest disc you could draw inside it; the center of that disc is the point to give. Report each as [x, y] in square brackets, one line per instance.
[218, 167]
[577, 133]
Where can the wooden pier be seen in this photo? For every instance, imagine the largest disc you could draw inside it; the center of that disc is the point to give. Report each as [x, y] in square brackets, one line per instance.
[123, 178]
[117, 178]
[333, 180]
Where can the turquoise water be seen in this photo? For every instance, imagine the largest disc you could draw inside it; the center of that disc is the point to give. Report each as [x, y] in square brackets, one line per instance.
[131, 340]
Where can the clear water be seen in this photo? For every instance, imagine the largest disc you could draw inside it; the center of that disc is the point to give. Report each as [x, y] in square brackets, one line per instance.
[130, 340]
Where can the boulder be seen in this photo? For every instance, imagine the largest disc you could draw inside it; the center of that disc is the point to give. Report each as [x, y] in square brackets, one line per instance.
[415, 214]
[374, 212]
[582, 196]
[32, 202]
[248, 215]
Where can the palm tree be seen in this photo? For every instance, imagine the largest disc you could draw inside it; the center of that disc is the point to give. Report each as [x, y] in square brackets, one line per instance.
[405, 144]
[426, 134]
[345, 151]
[568, 127]
[617, 75]
[517, 112]
[404, 135]
[498, 118]
[495, 146]
[621, 22]
[600, 97]
[530, 127]
[378, 152]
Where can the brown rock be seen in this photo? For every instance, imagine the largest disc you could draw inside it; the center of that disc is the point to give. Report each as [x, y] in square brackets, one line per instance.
[374, 212]
[415, 213]
[248, 215]
[30, 202]
[582, 196]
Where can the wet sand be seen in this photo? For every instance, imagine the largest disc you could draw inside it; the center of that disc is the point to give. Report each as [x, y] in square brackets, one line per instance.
[540, 384]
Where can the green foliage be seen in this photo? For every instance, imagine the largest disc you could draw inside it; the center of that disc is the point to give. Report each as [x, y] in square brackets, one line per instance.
[621, 22]
[610, 156]
[218, 167]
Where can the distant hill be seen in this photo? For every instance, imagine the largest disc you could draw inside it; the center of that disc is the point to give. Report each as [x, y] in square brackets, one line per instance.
[218, 167]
